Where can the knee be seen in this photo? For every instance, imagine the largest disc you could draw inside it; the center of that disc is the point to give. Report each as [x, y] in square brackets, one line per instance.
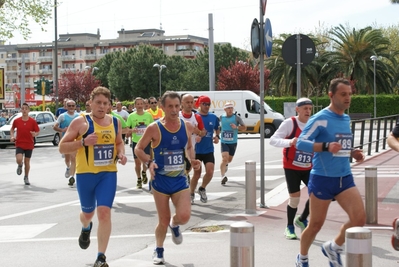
[293, 202]
[359, 219]
[183, 218]
[104, 213]
[315, 226]
[164, 222]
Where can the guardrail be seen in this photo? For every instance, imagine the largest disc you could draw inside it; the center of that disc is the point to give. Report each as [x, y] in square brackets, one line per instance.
[372, 133]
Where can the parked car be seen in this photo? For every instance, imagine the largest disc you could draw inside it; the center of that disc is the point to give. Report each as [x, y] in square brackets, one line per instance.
[44, 119]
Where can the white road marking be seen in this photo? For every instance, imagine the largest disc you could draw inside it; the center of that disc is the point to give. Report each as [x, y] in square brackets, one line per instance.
[22, 232]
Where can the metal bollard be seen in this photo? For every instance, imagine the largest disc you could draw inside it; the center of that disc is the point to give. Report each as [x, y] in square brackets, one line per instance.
[358, 247]
[242, 245]
[371, 195]
[250, 187]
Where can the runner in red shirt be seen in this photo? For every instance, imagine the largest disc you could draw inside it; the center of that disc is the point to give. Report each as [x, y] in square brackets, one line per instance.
[27, 129]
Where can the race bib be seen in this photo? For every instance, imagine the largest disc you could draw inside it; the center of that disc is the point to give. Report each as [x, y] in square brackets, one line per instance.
[346, 142]
[227, 136]
[103, 155]
[302, 159]
[173, 160]
[141, 130]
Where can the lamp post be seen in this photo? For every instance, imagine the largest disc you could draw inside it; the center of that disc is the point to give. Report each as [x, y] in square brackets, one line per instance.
[160, 67]
[92, 69]
[374, 58]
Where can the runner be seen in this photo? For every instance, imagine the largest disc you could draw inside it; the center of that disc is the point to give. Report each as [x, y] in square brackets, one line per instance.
[62, 124]
[27, 129]
[230, 124]
[204, 149]
[97, 141]
[138, 122]
[155, 111]
[297, 164]
[170, 138]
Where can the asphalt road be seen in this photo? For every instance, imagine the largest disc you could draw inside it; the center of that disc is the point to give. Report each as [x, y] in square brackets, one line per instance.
[39, 223]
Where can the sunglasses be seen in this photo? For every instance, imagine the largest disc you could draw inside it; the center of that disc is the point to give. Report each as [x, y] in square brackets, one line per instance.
[69, 106]
[206, 104]
[153, 103]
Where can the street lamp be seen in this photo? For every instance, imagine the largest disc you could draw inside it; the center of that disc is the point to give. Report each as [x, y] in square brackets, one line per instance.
[92, 69]
[160, 67]
[374, 58]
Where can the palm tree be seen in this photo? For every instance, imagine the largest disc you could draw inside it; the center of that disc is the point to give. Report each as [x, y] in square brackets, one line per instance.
[352, 51]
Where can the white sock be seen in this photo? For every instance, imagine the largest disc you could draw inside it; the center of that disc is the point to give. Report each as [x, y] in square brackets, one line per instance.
[303, 257]
[334, 245]
[171, 223]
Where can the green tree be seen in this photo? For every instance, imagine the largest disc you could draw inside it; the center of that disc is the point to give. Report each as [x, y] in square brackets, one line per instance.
[104, 67]
[16, 15]
[352, 50]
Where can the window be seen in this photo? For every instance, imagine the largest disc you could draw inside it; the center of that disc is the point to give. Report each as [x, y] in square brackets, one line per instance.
[40, 119]
[252, 106]
[48, 118]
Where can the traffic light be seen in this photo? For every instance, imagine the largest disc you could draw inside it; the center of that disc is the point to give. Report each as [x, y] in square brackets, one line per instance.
[49, 87]
[38, 86]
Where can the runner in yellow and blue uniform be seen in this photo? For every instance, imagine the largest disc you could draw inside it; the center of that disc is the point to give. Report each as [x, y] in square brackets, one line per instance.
[97, 141]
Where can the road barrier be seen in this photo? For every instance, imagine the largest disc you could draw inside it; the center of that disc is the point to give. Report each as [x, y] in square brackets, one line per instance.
[371, 195]
[358, 247]
[242, 245]
[250, 187]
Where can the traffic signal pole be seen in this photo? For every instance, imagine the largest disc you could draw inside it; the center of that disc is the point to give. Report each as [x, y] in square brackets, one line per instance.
[43, 83]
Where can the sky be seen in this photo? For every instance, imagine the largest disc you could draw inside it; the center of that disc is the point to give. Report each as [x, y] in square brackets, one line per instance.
[232, 19]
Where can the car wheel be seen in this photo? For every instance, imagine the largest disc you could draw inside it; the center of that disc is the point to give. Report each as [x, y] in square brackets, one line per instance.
[3, 146]
[269, 130]
[56, 139]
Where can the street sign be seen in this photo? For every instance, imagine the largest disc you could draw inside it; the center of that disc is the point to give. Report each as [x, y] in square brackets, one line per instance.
[255, 41]
[264, 2]
[289, 50]
[268, 37]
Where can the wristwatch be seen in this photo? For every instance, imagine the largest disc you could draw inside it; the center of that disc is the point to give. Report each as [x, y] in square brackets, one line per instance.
[148, 163]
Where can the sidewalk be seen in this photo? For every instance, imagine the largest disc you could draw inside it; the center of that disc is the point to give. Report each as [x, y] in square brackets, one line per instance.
[271, 247]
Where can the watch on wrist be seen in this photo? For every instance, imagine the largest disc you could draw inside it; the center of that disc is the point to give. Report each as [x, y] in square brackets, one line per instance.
[325, 146]
[148, 163]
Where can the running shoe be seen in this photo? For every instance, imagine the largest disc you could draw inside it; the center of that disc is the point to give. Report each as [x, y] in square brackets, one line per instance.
[301, 224]
[71, 181]
[290, 232]
[157, 256]
[177, 237]
[334, 256]
[84, 238]
[144, 175]
[301, 262]
[26, 181]
[192, 198]
[139, 184]
[67, 173]
[202, 193]
[224, 180]
[100, 262]
[19, 170]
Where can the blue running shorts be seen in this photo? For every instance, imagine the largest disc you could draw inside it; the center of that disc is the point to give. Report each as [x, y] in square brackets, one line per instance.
[169, 185]
[96, 189]
[325, 188]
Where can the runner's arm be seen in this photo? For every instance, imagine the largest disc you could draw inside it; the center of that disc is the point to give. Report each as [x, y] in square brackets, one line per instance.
[68, 143]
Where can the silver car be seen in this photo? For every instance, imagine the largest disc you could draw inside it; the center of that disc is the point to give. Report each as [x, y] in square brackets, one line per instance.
[44, 119]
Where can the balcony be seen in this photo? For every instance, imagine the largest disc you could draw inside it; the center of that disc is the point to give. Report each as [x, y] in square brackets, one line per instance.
[45, 71]
[27, 72]
[11, 59]
[11, 72]
[67, 69]
[44, 59]
[26, 59]
[68, 57]
[90, 57]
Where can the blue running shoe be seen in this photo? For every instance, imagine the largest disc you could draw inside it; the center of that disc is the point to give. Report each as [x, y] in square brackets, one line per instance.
[301, 224]
[334, 256]
[301, 262]
[157, 256]
[177, 237]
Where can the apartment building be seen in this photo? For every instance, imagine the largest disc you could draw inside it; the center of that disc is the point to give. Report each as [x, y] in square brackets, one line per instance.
[78, 52]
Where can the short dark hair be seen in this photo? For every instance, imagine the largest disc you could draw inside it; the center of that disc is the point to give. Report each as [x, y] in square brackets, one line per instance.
[171, 95]
[335, 82]
[100, 90]
[25, 104]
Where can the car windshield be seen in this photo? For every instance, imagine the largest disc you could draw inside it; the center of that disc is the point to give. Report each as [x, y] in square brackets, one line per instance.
[17, 115]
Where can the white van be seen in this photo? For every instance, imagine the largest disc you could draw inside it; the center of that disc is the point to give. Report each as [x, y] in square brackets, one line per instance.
[246, 105]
